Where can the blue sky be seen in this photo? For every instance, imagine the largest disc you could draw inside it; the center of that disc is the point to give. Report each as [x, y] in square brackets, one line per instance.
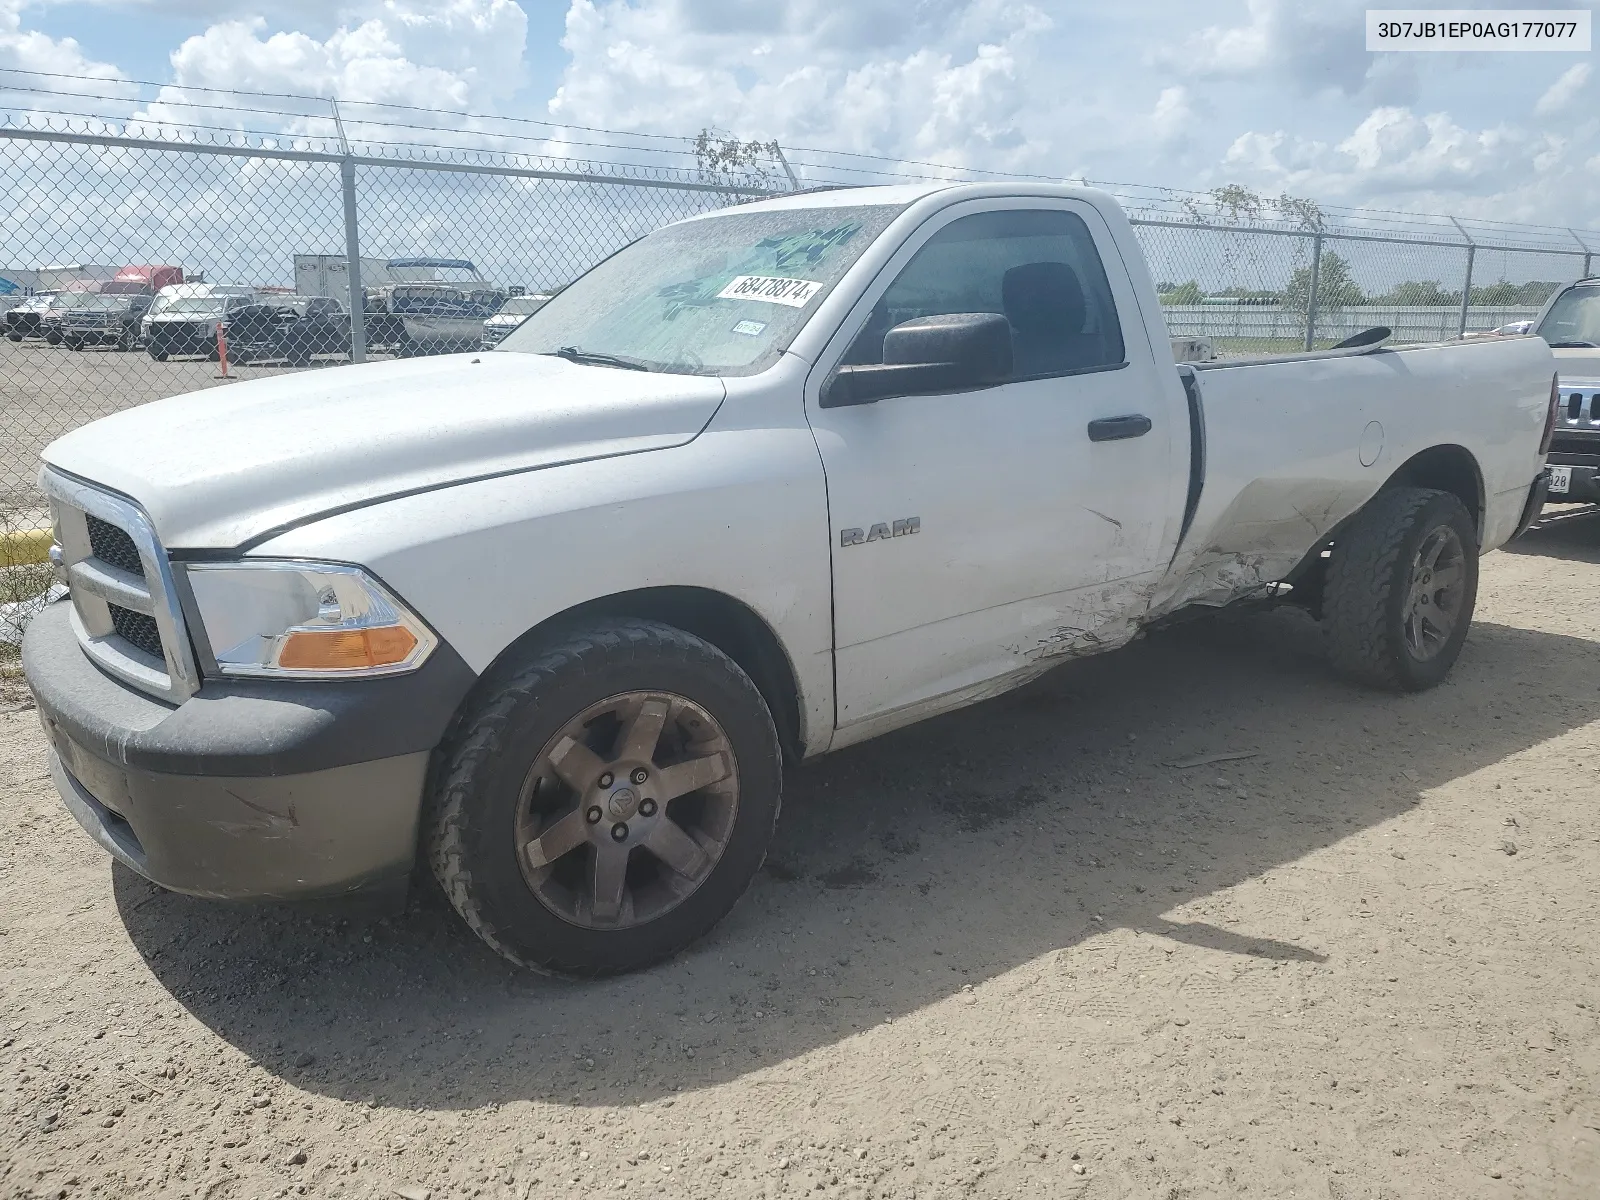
[1281, 96]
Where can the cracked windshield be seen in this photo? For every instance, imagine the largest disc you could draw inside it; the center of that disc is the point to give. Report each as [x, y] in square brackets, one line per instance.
[718, 296]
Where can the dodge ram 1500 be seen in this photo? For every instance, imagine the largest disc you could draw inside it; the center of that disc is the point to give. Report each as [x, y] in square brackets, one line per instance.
[766, 483]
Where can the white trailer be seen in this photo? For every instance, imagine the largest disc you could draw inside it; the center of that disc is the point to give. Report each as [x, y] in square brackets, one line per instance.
[329, 275]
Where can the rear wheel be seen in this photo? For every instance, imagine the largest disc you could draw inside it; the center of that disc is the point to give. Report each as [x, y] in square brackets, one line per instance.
[158, 355]
[607, 800]
[74, 343]
[1401, 586]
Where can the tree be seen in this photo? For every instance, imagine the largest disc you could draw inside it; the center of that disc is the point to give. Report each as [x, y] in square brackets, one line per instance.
[1427, 293]
[1335, 287]
[1180, 293]
[1503, 294]
[724, 157]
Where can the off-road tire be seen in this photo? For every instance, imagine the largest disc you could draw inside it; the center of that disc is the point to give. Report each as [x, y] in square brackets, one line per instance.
[475, 788]
[1368, 580]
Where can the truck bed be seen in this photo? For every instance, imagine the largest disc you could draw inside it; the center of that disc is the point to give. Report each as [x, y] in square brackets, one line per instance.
[1287, 447]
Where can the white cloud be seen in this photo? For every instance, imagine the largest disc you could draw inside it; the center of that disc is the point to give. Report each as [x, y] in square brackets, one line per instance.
[1304, 47]
[948, 79]
[1397, 158]
[1560, 94]
[1172, 116]
[461, 53]
[32, 60]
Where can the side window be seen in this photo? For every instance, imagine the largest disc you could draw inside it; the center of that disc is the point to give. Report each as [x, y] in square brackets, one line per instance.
[1038, 268]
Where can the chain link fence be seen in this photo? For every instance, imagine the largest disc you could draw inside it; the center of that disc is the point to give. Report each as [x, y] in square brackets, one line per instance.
[137, 267]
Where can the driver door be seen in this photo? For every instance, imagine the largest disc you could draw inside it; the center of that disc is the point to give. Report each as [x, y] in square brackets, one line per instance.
[980, 534]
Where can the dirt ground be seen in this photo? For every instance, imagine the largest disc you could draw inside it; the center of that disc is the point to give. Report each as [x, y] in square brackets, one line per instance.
[1014, 952]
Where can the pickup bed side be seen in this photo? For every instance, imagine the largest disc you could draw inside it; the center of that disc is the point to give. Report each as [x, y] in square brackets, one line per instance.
[1297, 446]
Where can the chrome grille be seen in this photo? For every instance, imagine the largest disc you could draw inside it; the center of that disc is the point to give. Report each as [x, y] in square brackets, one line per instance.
[1579, 407]
[137, 628]
[114, 547]
[124, 604]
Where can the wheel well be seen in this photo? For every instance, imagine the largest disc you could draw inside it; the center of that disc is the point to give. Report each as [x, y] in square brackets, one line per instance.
[1444, 468]
[1447, 469]
[729, 625]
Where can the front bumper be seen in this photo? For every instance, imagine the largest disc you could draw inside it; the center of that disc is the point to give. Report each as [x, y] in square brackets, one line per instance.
[260, 790]
[92, 335]
[180, 339]
[1583, 486]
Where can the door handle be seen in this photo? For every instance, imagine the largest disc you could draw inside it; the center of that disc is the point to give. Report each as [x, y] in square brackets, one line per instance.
[1112, 429]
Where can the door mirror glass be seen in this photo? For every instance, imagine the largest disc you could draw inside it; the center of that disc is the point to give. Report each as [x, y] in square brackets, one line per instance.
[940, 353]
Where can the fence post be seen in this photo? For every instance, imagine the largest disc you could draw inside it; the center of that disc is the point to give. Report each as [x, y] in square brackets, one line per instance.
[794, 183]
[1466, 284]
[352, 244]
[1311, 294]
[352, 250]
[1587, 253]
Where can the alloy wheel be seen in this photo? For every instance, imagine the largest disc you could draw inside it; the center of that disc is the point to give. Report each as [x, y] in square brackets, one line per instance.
[626, 810]
[1434, 600]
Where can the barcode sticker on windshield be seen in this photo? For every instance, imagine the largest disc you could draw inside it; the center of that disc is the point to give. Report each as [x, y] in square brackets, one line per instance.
[796, 293]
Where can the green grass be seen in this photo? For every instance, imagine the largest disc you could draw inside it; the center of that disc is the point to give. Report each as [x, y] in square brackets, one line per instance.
[22, 582]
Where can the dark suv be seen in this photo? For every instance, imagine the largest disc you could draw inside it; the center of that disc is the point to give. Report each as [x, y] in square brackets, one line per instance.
[293, 331]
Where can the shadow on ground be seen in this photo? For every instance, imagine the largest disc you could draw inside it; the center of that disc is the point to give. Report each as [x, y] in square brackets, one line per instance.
[1571, 532]
[903, 869]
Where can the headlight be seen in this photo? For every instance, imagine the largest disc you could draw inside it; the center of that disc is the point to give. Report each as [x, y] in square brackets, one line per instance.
[305, 620]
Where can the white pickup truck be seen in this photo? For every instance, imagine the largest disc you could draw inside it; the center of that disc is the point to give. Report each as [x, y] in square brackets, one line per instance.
[763, 484]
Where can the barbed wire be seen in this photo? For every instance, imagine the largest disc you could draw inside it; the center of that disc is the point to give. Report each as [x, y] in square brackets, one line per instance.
[380, 130]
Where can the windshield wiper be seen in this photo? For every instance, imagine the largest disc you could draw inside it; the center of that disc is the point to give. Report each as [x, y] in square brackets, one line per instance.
[1573, 346]
[594, 358]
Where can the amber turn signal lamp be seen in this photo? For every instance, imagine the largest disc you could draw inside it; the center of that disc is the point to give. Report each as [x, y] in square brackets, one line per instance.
[346, 649]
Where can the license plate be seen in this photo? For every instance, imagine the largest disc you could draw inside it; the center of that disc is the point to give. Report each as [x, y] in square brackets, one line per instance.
[1560, 480]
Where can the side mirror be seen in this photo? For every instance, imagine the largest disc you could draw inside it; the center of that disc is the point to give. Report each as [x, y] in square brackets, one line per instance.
[929, 354]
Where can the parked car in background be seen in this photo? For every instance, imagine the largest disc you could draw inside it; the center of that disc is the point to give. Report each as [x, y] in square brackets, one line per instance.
[512, 313]
[104, 320]
[51, 318]
[1512, 329]
[24, 319]
[185, 316]
[291, 329]
[1570, 322]
[432, 318]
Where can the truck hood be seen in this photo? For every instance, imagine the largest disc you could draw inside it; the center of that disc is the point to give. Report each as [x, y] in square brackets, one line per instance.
[1577, 364]
[219, 468]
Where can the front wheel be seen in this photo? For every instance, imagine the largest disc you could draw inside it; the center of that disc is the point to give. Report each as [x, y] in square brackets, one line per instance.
[605, 801]
[1401, 586]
